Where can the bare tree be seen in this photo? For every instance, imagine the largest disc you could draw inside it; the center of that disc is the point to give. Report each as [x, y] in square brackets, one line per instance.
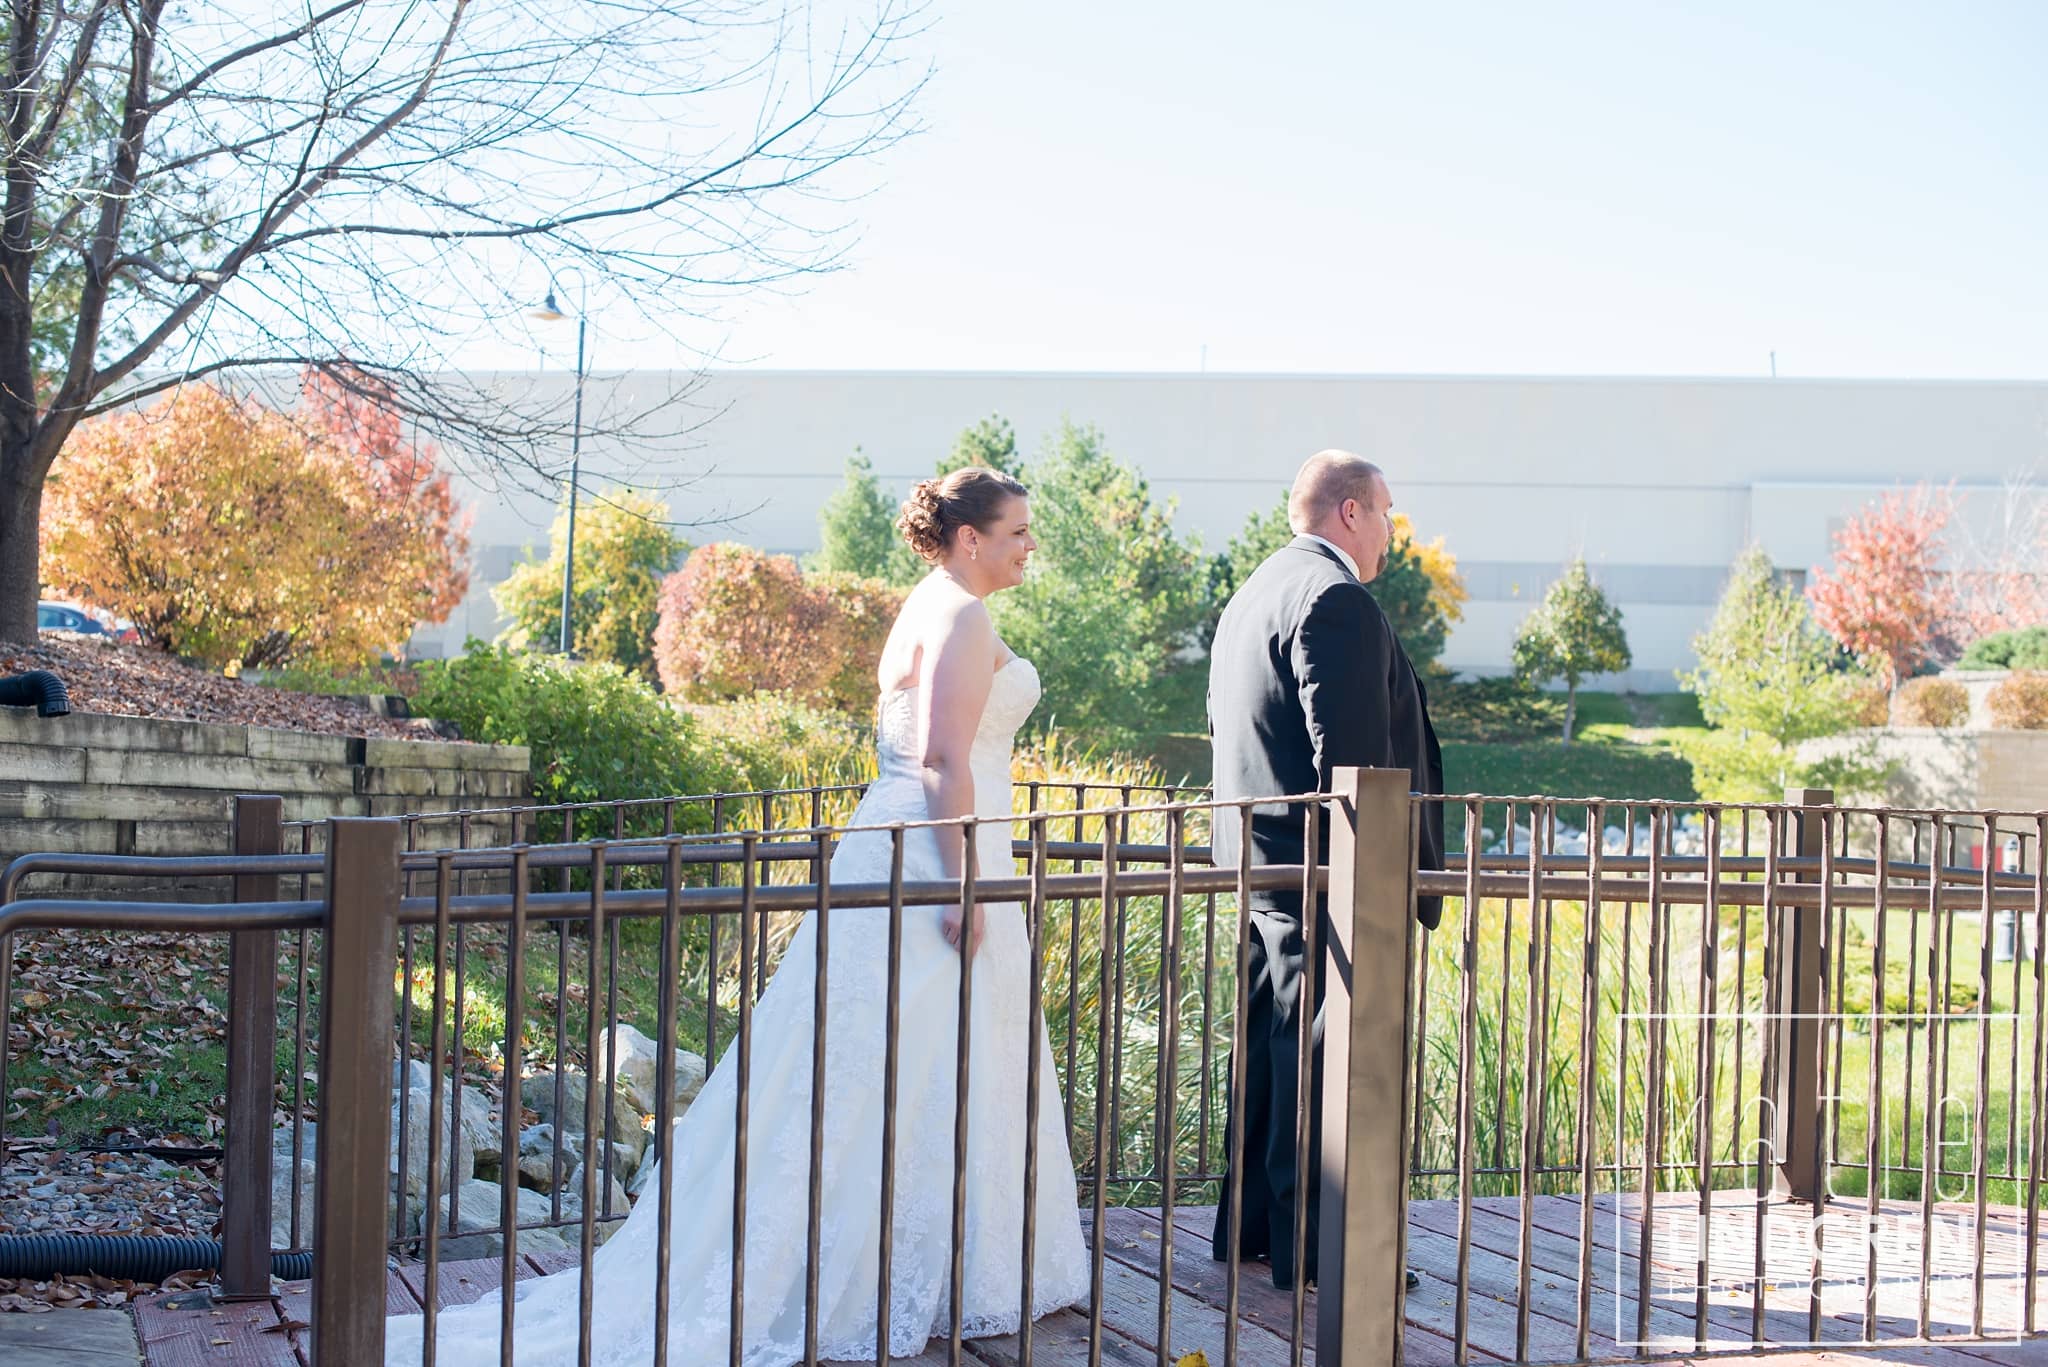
[210, 187]
[2000, 559]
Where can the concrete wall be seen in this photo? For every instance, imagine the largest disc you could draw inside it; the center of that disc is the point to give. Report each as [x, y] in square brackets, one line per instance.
[1963, 769]
[101, 784]
[1657, 482]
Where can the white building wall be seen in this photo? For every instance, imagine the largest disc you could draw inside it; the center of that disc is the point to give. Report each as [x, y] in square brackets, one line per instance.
[1658, 483]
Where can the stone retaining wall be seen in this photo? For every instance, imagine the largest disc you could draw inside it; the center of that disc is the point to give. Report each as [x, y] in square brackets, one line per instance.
[1960, 769]
[95, 783]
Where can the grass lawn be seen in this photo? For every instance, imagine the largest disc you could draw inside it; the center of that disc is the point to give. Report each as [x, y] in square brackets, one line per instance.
[1626, 745]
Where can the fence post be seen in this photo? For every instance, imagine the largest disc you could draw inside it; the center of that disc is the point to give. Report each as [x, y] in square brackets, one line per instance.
[354, 1140]
[1795, 1002]
[1365, 1054]
[258, 825]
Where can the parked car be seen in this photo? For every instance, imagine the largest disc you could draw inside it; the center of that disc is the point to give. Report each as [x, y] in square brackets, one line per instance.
[65, 617]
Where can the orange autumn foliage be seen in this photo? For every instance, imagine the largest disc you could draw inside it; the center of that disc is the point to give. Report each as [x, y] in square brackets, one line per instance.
[736, 621]
[242, 537]
[1887, 598]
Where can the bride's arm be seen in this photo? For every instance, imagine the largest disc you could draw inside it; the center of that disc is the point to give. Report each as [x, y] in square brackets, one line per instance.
[957, 672]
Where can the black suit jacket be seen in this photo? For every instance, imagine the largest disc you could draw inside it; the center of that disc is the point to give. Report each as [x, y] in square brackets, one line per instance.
[1306, 676]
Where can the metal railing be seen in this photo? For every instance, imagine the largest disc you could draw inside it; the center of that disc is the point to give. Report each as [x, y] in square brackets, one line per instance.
[1678, 1017]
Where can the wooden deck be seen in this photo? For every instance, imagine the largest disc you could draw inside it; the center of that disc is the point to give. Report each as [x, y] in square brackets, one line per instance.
[271, 1334]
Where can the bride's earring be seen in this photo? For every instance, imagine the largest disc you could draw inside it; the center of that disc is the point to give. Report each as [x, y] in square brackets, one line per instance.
[974, 552]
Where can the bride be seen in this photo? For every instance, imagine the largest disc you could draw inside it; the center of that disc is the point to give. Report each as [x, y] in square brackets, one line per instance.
[952, 699]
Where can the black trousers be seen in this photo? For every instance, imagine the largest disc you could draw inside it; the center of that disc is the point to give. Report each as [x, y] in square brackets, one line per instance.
[1272, 1096]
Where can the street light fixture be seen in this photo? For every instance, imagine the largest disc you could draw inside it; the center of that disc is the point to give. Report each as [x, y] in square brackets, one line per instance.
[549, 313]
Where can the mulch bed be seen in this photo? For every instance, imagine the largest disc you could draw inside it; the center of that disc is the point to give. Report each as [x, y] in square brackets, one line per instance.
[135, 681]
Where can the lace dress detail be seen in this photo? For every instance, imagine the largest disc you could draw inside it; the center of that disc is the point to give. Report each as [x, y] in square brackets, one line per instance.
[778, 1132]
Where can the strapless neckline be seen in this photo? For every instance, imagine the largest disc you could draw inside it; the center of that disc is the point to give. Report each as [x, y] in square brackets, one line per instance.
[1002, 669]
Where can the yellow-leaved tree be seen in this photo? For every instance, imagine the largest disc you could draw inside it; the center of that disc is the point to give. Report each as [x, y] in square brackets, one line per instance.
[241, 537]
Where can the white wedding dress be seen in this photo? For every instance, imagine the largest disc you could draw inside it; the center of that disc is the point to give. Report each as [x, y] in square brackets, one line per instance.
[779, 1117]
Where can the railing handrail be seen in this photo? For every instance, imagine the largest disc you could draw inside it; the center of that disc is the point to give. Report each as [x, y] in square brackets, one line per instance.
[1808, 874]
[747, 795]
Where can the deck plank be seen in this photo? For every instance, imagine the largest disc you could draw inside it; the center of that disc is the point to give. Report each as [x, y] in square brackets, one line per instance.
[1788, 1265]
[1061, 1340]
[238, 1334]
[1421, 1345]
[253, 1334]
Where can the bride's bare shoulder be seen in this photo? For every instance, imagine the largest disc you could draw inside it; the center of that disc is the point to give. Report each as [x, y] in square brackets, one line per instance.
[940, 607]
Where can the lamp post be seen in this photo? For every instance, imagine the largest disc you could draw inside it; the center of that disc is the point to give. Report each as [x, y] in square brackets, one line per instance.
[549, 313]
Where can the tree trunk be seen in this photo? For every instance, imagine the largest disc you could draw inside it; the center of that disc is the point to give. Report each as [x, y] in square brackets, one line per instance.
[21, 581]
[1571, 707]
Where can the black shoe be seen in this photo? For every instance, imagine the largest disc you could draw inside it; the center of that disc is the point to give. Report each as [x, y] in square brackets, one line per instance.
[1413, 1280]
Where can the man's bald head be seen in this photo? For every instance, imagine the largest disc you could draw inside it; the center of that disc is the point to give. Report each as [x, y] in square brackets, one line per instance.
[1325, 481]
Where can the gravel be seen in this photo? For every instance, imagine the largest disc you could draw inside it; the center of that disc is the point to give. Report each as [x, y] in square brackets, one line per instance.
[67, 1192]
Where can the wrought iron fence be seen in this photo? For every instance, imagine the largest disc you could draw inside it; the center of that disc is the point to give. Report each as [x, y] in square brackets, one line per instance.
[1637, 1025]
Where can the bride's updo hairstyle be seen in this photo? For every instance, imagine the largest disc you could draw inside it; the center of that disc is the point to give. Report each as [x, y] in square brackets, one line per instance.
[937, 508]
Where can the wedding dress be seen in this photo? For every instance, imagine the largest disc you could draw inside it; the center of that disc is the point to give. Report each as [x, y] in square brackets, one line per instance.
[778, 1138]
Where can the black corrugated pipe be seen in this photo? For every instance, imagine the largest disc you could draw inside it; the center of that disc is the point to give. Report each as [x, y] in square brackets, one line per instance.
[132, 1257]
[38, 688]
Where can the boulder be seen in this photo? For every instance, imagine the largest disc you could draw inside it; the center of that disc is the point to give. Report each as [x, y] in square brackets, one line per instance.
[572, 1206]
[406, 1223]
[281, 1198]
[413, 1135]
[281, 1142]
[539, 1097]
[479, 1114]
[540, 1172]
[638, 1072]
[478, 1234]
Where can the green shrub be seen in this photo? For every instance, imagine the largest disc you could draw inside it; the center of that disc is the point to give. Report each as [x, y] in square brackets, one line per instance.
[2020, 702]
[596, 731]
[331, 681]
[2026, 648]
[1931, 701]
[1869, 705]
[771, 740]
[1498, 709]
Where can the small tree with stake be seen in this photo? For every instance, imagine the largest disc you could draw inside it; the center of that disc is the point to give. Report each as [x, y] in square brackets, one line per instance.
[1576, 632]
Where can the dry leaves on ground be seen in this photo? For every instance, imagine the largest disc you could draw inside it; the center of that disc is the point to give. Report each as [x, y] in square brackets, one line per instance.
[99, 1012]
[135, 681]
[26, 1295]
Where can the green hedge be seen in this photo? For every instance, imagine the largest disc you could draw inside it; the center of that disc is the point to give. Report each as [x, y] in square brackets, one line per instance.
[2026, 648]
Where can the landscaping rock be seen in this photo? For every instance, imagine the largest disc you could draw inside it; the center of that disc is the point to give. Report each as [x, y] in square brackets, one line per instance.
[572, 1206]
[281, 1142]
[539, 1097]
[637, 1069]
[281, 1199]
[476, 1220]
[539, 1172]
[413, 1136]
[479, 1115]
[534, 1168]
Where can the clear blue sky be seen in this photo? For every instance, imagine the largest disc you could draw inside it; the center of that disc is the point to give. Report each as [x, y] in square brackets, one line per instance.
[1616, 188]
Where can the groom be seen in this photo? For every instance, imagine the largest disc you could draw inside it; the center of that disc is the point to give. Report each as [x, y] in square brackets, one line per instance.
[1305, 676]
